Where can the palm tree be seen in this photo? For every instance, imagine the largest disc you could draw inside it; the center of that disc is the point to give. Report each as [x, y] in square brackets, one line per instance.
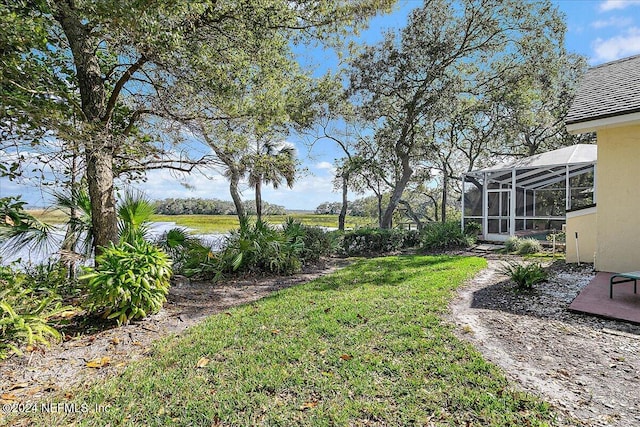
[271, 163]
[79, 228]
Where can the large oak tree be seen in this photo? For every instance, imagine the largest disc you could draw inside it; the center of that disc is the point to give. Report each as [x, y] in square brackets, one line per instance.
[128, 72]
[449, 49]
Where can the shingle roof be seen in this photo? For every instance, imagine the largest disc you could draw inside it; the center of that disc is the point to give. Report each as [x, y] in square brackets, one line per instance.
[607, 90]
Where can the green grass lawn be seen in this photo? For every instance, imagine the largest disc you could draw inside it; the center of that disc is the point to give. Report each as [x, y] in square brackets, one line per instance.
[222, 223]
[364, 346]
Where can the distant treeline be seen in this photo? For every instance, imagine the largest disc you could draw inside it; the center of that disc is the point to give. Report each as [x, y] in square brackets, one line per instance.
[193, 206]
[364, 207]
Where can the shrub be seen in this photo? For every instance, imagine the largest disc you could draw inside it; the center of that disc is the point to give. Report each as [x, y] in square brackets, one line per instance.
[529, 246]
[525, 275]
[561, 237]
[512, 244]
[188, 254]
[131, 281]
[27, 315]
[318, 243]
[259, 247]
[472, 228]
[369, 241]
[444, 235]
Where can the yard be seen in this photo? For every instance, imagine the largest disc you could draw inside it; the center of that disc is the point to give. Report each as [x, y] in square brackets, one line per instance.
[367, 345]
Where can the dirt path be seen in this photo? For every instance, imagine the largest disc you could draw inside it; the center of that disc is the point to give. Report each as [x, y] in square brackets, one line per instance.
[56, 370]
[587, 367]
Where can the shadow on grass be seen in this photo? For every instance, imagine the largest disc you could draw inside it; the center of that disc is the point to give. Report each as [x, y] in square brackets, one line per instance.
[383, 271]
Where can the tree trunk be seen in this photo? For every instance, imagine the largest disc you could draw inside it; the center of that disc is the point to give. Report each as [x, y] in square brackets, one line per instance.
[343, 210]
[379, 197]
[445, 188]
[98, 150]
[407, 172]
[234, 181]
[103, 205]
[412, 214]
[259, 200]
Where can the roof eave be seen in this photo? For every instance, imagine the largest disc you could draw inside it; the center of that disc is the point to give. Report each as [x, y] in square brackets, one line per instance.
[602, 123]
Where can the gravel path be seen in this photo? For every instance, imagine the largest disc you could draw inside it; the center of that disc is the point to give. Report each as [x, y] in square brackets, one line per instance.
[589, 368]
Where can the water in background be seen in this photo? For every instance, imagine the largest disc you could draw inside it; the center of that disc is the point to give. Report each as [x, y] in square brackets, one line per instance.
[40, 253]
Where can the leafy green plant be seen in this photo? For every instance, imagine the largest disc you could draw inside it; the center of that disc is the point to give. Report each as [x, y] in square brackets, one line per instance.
[19, 228]
[189, 255]
[260, 248]
[560, 237]
[27, 315]
[444, 235]
[318, 243]
[472, 228]
[512, 244]
[134, 214]
[131, 282]
[529, 246]
[525, 275]
[371, 241]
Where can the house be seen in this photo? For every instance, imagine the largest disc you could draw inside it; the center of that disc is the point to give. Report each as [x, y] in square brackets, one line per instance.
[608, 103]
[530, 197]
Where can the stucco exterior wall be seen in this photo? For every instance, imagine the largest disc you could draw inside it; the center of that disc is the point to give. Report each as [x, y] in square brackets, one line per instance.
[618, 199]
[584, 223]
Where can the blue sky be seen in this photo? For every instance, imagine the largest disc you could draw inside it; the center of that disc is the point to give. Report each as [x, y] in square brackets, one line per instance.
[601, 30]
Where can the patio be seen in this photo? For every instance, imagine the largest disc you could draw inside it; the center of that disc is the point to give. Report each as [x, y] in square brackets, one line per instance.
[594, 299]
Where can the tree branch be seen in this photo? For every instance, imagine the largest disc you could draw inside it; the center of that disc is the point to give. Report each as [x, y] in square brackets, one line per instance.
[124, 78]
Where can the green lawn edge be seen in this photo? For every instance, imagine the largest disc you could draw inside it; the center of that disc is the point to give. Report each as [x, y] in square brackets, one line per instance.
[367, 345]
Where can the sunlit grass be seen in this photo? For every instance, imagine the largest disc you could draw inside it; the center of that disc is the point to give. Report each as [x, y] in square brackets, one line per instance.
[221, 223]
[364, 346]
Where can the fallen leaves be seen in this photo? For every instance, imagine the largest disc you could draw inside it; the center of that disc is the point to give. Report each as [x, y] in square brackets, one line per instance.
[8, 398]
[346, 357]
[17, 386]
[202, 362]
[99, 363]
[308, 405]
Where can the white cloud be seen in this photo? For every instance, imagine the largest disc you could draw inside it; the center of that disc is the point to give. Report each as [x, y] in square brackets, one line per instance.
[614, 21]
[162, 184]
[608, 5]
[307, 193]
[324, 165]
[616, 47]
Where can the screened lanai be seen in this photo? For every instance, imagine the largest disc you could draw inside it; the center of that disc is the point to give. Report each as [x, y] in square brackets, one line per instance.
[530, 196]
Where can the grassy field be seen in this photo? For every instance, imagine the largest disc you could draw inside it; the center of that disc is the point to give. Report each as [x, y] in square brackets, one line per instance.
[364, 346]
[221, 223]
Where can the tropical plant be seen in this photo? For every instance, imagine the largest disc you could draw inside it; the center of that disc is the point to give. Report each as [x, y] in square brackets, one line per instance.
[79, 228]
[130, 282]
[529, 246]
[134, 215]
[525, 275]
[445, 235]
[18, 228]
[27, 314]
[260, 248]
[271, 163]
[512, 244]
[189, 255]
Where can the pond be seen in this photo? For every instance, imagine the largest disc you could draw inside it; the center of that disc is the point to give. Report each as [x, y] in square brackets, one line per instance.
[34, 254]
